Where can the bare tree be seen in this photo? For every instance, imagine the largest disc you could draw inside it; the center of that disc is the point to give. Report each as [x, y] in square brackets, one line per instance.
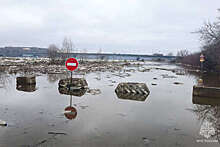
[67, 47]
[210, 32]
[210, 35]
[53, 51]
[182, 53]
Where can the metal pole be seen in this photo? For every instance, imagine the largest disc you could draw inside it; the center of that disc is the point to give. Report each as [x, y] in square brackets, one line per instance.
[70, 100]
[202, 67]
[71, 77]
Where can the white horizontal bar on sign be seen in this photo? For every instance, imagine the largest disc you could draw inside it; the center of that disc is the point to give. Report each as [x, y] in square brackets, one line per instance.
[71, 64]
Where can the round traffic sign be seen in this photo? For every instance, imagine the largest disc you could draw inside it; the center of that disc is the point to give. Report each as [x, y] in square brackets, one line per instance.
[70, 112]
[71, 64]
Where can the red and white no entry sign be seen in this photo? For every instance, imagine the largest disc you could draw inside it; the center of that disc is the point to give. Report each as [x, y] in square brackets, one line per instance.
[71, 64]
[70, 112]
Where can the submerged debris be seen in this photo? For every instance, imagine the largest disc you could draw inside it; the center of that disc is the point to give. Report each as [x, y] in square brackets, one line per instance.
[177, 83]
[129, 70]
[122, 75]
[94, 91]
[146, 141]
[144, 70]
[83, 107]
[57, 133]
[3, 123]
[41, 142]
[122, 114]
[168, 76]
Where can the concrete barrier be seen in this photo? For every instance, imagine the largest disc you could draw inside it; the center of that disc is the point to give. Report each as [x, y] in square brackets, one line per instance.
[201, 91]
[67, 91]
[77, 83]
[27, 80]
[78, 87]
[27, 83]
[26, 88]
[206, 101]
[132, 91]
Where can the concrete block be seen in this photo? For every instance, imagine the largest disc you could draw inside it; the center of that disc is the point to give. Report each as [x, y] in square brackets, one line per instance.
[132, 91]
[201, 91]
[205, 101]
[27, 80]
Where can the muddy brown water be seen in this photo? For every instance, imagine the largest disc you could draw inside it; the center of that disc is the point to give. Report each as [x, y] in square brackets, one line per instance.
[166, 118]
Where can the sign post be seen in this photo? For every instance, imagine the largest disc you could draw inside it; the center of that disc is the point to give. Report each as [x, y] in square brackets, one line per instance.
[70, 111]
[71, 64]
[202, 59]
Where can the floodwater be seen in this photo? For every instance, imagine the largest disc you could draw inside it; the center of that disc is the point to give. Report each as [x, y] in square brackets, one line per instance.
[166, 118]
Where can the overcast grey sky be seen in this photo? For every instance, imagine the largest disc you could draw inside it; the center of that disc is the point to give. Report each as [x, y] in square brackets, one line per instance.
[118, 26]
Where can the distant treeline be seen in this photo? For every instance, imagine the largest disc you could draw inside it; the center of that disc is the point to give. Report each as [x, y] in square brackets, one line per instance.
[210, 36]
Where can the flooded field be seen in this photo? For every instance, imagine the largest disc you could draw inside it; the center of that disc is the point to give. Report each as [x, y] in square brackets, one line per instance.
[167, 117]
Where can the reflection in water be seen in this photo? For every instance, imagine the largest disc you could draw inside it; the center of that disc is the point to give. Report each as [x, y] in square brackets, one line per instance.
[208, 110]
[26, 83]
[76, 92]
[205, 101]
[26, 88]
[52, 78]
[129, 96]
[4, 80]
[70, 112]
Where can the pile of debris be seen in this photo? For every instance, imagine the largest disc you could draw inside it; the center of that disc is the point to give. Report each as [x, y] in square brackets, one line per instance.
[44, 66]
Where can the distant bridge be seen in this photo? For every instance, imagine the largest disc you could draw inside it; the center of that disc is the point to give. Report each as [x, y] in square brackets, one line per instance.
[103, 56]
[106, 56]
[109, 56]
